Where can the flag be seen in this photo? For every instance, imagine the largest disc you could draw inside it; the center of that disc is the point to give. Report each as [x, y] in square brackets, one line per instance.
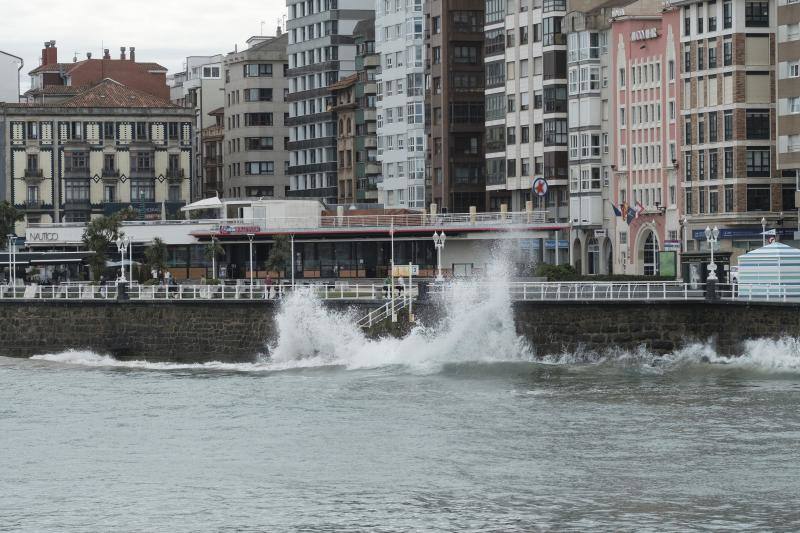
[617, 212]
[632, 214]
[639, 207]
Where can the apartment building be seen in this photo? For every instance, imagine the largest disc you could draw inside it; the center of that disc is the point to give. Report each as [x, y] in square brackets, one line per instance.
[590, 137]
[367, 166]
[454, 35]
[788, 87]
[256, 147]
[212, 155]
[10, 67]
[108, 148]
[645, 196]
[526, 105]
[200, 87]
[729, 156]
[321, 51]
[345, 105]
[401, 103]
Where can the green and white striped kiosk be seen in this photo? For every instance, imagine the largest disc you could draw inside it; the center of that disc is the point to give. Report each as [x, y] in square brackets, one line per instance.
[770, 272]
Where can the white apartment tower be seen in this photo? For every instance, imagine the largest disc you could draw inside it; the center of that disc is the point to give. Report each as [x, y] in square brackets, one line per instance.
[399, 42]
[321, 51]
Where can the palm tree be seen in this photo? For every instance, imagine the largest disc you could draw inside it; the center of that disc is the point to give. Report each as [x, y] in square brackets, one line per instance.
[212, 251]
[99, 234]
[156, 256]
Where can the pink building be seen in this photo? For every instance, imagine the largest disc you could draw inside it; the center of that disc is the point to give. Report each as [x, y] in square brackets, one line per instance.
[645, 107]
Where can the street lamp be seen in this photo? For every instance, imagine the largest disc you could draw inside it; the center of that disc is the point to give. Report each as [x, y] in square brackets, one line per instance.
[250, 237]
[685, 228]
[438, 242]
[712, 236]
[12, 259]
[292, 261]
[763, 231]
[122, 244]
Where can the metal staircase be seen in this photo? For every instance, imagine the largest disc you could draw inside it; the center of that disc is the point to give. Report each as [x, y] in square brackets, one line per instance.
[386, 311]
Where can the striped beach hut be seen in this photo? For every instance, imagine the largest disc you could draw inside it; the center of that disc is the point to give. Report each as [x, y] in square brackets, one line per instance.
[772, 271]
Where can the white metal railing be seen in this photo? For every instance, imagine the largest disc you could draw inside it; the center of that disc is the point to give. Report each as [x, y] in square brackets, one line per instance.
[87, 291]
[392, 307]
[412, 220]
[605, 291]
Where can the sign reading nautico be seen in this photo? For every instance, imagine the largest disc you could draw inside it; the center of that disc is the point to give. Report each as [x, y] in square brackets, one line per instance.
[42, 236]
[647, 33]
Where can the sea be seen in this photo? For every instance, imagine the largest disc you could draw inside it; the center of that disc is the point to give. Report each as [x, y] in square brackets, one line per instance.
[458, 427]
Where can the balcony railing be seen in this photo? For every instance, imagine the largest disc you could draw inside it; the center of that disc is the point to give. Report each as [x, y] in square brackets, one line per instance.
[175, 173]
[110, 173]
[34, 173]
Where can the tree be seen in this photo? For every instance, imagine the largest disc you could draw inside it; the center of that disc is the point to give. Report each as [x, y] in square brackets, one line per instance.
[99, 234]
[9, 216]
[156, 256]
[214, 250]
[280, 255]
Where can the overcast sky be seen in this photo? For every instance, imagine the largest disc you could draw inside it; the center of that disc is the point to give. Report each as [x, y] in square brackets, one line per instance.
[163, 31]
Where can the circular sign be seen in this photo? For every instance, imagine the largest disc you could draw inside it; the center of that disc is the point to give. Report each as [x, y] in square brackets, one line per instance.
[540, 186]
[771, 239]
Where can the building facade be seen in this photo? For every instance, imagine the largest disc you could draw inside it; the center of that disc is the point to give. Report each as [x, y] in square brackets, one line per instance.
[788, 87]
[401, 103]
[367, 166]
[645, 197]
[200, 87]
[454, 40]
[256, 113]
[212, 155]
[104, 150]
[321, 50]
[344, 95]
[10, 66]
[727, 118]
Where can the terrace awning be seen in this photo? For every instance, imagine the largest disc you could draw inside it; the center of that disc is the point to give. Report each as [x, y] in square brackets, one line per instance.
[207, 203]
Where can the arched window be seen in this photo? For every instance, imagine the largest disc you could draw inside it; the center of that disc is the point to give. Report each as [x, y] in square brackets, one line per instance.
[341, 126]
[349, 126]
[593, 256]
[650, 255]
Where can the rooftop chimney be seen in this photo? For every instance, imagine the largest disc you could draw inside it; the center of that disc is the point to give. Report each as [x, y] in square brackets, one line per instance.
[133, 53]
[106, 54]
[122, 53]
[49, 53]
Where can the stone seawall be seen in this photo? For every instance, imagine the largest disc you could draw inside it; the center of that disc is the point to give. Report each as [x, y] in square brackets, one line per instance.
[239, 330]
[553, 327]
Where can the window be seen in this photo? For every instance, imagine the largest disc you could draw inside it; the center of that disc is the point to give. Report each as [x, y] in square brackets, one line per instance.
[258, 95]
[256, 70]
[712, 57]
[727, 15]
[794, 69]
[712, 127]
[729, 198]
[728, 124]
[143, 190]
[712, 165]
[712, 16]
[758, 162]
[252, 168]
[258, 119]
[756, 14]
[728, 163]
[258, 143]
[466, 55]
[793, 104]
[701, 165]
[758, 124]
[758, 198]
[552, 32]
[511, 135]
[211, 72]
[687, 157]
[523, 35]
[555, 132]
[687, 131]
[689, 208]
[671, 70]
[727, 52]
[687, 20]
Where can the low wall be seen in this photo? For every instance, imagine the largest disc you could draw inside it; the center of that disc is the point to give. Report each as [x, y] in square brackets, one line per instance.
[662, 327]
[238, 330]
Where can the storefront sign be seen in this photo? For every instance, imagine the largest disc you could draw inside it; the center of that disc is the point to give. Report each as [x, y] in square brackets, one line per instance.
[238, 230]
[641, 35]
[741, 233]
[550, 244]
[672, 245]
[42, 236]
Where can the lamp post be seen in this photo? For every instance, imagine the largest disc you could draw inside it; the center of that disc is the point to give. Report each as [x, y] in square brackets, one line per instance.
[130, 256]
[121, 246]
[438, 242]
[763, 231]
[685, 228]
[250, 238]
[213, 257]
[712, 236]
[12, 259]
[292, 260]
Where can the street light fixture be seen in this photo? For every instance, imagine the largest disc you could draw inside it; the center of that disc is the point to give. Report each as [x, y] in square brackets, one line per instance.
[12, 259]
[763, 231]
[712, 236]
[122, 244]
[438, 242]
[250, 237]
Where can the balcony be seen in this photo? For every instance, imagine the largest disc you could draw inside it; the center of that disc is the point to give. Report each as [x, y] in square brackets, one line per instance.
[34, 174]
[213, 160]
[77, 204]
[76, 172]
[33, 204]
[142, 172]
[110, 174]
[175, 174]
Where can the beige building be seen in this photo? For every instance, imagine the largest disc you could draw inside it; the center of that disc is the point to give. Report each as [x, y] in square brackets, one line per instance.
[788, 98]
[101, 151]
[256, 160]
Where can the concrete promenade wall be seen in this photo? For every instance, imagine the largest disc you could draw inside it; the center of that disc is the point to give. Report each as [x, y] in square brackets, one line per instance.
[238, 330]
[662, 327]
